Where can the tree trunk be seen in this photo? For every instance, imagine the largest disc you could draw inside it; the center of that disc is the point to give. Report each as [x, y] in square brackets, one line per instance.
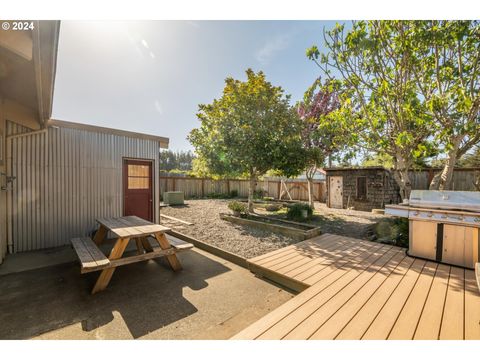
[309, 173]
[402, 177]
[251, 188]
[445, 180]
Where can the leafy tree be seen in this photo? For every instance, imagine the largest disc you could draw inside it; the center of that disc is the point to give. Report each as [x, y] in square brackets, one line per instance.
[380, 100]
[179, 160]
[250, 129]
[447, 71]
[322, 134]
[471, 159]
[378, 160]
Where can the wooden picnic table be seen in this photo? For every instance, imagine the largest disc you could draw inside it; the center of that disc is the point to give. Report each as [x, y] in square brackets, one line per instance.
[125, 229]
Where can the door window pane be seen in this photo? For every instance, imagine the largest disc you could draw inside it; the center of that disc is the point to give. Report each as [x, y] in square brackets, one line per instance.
[138, 170]
[138, 176]
[138, 182]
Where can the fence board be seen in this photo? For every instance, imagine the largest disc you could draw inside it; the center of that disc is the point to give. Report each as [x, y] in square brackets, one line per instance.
[463, 179]
[202, 187]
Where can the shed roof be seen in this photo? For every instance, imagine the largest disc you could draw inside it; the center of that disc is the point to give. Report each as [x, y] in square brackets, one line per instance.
[355, 168]
[163, 141]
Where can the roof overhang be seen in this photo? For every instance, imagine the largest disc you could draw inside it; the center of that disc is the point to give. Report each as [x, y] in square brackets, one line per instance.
[27, 69]
[163, 141]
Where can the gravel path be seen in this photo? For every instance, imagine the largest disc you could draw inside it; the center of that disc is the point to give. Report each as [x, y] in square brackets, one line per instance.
[208, 227]
[249, 242]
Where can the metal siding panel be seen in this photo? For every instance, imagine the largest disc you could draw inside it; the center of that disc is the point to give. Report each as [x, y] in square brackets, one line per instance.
[65, 179]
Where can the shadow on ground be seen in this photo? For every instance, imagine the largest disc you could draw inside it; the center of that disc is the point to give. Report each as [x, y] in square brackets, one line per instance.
[148, 295]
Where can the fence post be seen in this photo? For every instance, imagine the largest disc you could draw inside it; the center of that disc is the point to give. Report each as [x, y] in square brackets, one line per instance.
[203, 187]
[228, 186]
[174, 185]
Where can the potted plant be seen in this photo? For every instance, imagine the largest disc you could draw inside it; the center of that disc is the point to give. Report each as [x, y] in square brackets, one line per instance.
[237, 207]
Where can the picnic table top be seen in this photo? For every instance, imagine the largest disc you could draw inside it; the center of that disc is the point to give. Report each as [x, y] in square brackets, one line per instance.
[131, 226]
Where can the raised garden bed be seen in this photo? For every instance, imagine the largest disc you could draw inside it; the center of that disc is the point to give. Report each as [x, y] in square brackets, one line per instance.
[294, 230]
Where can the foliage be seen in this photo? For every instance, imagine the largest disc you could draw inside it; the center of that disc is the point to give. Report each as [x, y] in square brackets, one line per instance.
[259, 194]
[178, 172]
[322, 134]
[393, 231]
[215, 195]
[233, 193]
[296, 211]
[378, 160]
[250, 129]
[387, 161]
[381, 105]
[471, 159]
[176, 160]
[447, 72]
[237, 206]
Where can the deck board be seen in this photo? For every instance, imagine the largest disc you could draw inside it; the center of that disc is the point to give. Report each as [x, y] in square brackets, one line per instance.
[357, 289]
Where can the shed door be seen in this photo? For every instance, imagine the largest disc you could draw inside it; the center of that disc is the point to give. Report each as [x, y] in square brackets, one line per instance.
[336, 192]
[138, 189]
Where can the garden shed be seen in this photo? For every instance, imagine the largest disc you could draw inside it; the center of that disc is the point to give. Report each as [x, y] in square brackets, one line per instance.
[57, 177]
[363, 188]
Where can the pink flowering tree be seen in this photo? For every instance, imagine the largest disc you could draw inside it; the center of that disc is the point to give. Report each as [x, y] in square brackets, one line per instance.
[323, 132]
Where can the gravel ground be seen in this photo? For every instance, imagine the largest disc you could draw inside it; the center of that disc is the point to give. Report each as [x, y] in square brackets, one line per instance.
[208, 227]
[248, 242]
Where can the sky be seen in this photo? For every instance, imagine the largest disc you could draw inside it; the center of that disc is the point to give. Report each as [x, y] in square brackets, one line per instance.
[150, 76]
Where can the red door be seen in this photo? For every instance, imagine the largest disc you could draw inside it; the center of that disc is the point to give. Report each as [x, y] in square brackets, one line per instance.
[138, 189]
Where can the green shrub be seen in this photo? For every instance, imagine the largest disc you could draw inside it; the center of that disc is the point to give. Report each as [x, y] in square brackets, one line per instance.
[296, 212]
[237, 206]
[393, 231]
[233, 193]
[258, 194]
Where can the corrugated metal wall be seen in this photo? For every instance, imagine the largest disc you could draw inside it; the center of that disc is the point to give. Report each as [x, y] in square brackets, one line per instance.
[65, 178]
[13, 128]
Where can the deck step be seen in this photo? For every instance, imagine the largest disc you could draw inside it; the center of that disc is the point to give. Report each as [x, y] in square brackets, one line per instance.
[89, 255]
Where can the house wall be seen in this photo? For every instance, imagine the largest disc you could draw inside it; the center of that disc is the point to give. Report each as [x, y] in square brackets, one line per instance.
[65, 178]
[24, 118]
[3, 194]
[381, 188]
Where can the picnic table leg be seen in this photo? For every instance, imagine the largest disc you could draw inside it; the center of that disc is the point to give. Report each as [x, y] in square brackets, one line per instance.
[164, 244]
[146, 244]
[138, 242]
[106, 274]
[100, 235]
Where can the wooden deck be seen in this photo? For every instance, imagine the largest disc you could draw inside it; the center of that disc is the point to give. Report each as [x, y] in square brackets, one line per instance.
[357, 289]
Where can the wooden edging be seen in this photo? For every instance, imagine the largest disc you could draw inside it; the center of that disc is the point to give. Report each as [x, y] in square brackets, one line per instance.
[236, 259]
[285, 281]
[295, 233]
[175, 219]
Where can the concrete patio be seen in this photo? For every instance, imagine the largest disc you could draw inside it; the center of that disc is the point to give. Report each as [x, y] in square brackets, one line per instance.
[209, 299]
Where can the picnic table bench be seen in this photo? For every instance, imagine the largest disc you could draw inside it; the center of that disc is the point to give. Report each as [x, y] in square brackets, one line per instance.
[125, 229]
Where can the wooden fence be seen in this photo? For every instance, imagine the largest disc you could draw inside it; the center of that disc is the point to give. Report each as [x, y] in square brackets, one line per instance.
[464, 179]
[204, 187]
